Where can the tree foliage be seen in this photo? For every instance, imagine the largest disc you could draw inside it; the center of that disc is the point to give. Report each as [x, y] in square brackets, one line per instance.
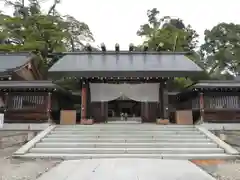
[78, 32]
[218, 56]
[221, 50]
[169, 34]
[30, 29]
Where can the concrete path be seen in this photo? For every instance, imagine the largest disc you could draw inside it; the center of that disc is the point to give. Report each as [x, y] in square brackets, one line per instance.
[127, 169]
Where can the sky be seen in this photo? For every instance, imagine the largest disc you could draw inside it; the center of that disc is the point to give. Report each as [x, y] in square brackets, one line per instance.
[117, 21]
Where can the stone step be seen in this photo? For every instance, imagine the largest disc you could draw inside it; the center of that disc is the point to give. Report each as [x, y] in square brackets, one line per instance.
[143, 125]
[155, 156]
[124, 136]
[126, 141]
[129, 140]
[124, 129]
[127, 150]
[124, 122]
[128, 127]
[126, 132]
[125, 145]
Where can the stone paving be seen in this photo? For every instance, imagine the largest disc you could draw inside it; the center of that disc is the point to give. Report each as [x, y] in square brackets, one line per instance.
[127, 169]
[16, 169]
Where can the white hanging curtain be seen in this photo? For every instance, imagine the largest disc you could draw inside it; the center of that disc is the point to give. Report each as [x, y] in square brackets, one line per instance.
[146, 92]
[102, 92]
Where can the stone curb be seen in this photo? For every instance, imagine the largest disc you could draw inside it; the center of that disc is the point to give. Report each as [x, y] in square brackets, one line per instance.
[229, 149]
[25, 148]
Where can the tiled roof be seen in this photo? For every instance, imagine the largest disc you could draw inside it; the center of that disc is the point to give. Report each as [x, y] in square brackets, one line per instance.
[217, 84]
[125, 64]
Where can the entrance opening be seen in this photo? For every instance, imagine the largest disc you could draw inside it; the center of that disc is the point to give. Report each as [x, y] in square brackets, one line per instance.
[114, 102]
[129, 107]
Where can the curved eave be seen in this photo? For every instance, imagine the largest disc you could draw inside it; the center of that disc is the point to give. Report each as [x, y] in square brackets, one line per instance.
[140, 74]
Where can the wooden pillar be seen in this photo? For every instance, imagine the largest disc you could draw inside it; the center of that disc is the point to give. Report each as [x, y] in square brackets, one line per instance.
[6, 96]
[165, 101]
[201, 106]
[160, 101]
[102, 112]
[106, 112]
[146, 107]
[142, 112]
[88, 101]
[49, 102]
[84, 101]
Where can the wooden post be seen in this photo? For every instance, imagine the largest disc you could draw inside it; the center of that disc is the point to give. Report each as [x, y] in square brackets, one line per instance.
[160, 103]
[49, 102]
[201, 106]
[102, 112]
[84, 102]
[146, 108]
[6, 102]
[165, 101]
[142, 112]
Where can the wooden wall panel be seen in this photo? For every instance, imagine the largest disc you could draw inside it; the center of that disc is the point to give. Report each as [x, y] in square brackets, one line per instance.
[184, 117]
[68, 117]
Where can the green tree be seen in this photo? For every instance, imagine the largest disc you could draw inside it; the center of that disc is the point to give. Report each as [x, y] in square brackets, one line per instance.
[171, 34]
[221, 50]
[166, 33]
[79, 33]
[30, 29]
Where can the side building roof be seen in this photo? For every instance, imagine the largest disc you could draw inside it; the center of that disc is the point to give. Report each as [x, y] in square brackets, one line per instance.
[213, 84]
[210, 86]
[11, 61]
[6, 86]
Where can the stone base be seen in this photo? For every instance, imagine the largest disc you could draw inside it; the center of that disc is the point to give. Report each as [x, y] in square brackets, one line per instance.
[163, 121]
[87, 121]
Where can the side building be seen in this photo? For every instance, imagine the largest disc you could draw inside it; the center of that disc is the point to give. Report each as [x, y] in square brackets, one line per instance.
[25, 96]
[212, 101]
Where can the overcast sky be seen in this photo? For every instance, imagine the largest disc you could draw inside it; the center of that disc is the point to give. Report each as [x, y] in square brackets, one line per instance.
[114, 21]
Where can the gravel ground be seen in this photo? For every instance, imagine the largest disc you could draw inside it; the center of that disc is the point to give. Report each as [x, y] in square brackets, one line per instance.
[17, 169]
[227, 171]
[7, 133]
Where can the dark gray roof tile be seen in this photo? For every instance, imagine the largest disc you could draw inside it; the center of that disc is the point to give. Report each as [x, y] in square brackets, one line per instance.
[27, 84]
[13, 60]
[217, 84]
[124, 62]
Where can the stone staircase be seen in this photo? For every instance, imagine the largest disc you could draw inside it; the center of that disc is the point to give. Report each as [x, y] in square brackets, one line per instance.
[126, 141]
[130, 120]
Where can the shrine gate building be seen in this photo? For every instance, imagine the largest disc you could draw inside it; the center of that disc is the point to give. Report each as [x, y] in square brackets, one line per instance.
[115, 82]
